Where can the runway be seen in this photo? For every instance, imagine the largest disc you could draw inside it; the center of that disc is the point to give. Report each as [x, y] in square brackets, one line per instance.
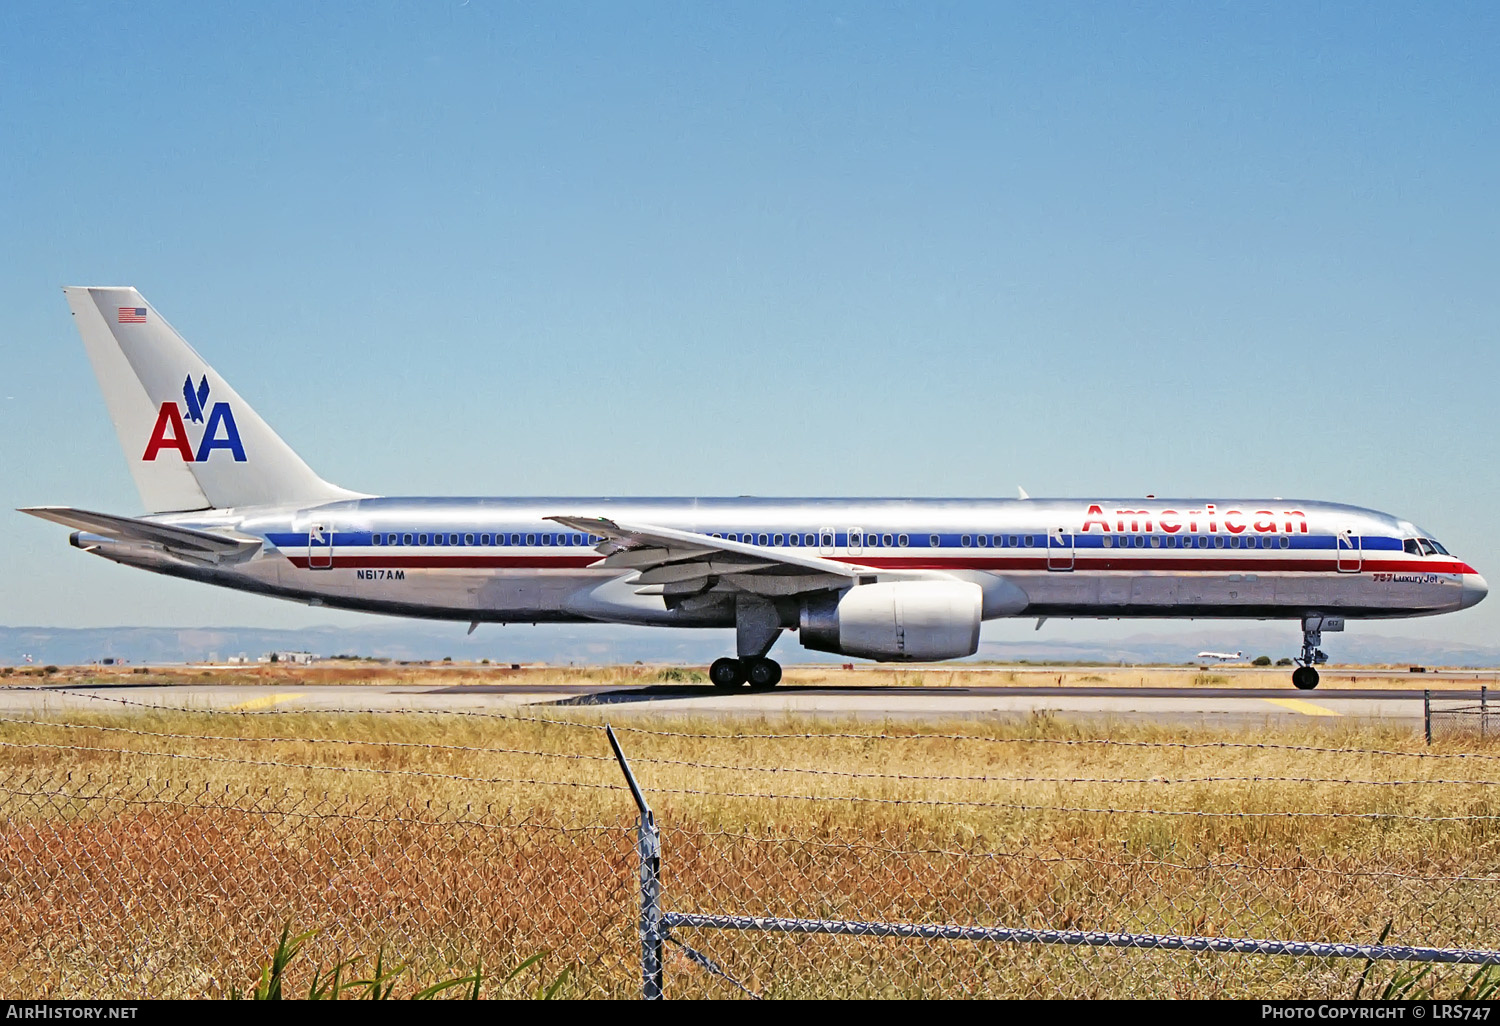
[1227, 707]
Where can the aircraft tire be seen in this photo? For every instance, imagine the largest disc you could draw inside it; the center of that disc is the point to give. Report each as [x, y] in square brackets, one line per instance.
[1305, 678]
[763, 673]
[726, 673]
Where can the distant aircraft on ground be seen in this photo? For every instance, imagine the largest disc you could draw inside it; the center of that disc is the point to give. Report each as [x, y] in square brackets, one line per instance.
[1222, 657]
[888, 579]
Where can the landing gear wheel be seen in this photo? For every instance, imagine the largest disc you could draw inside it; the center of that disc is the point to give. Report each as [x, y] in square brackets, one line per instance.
[726, 673]
[763, 673]
[1305, 678]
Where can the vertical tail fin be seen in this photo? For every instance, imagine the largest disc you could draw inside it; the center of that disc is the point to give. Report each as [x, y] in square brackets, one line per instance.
[190, 440]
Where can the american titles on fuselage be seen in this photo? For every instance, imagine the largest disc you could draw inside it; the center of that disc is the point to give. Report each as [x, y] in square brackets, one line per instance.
[1208, 519]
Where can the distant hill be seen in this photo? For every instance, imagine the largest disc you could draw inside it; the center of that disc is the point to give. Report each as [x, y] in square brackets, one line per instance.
[607, 643]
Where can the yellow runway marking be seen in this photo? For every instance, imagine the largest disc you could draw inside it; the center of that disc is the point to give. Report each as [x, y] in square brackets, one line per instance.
[266, 701]
[1298, 705]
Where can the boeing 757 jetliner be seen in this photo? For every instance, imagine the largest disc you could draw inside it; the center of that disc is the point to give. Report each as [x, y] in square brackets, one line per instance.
[890, 579]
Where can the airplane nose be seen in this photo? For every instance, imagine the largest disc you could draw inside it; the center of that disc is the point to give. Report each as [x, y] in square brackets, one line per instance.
[1474, 590]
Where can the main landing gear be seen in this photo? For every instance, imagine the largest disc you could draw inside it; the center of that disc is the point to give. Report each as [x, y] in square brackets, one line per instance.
[757, 672]
[1305, 676]
[757, 625]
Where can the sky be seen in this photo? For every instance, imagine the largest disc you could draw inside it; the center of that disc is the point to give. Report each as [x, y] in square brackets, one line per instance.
[923, 249]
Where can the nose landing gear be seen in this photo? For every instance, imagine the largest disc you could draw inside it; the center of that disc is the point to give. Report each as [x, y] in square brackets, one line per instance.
[1305, 676]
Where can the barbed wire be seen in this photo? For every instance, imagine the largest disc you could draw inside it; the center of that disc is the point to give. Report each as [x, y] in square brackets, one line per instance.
[1101, 741]
[851, 844]
[759, 796]
[165, 735]
[377, 770]
[785, 736]
[625, 826]
[742, 768]
[363, 711]
[1110, 810]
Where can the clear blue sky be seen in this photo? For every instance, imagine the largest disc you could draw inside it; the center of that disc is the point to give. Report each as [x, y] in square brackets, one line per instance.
[917, 249]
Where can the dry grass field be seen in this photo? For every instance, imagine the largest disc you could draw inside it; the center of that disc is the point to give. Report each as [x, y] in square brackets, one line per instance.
[439, 674]
[159, 853]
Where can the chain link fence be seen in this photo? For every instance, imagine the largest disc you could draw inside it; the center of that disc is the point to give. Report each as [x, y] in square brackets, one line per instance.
[159, 852]
[1463, 719]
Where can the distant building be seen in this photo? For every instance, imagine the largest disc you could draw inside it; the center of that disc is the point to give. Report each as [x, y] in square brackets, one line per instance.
[295, 658]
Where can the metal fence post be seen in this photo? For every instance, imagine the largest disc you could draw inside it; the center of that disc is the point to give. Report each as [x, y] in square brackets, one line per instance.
[648, 849]
[1427, 713]
[649, 845]
[1484, 709]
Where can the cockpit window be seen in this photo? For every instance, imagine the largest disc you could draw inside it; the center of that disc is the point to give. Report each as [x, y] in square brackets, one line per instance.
[1409, 546]
[1426, 545]
[1436, 545]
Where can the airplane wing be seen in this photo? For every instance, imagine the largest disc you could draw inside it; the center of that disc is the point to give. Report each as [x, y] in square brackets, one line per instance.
[673, 562]
[190, 543]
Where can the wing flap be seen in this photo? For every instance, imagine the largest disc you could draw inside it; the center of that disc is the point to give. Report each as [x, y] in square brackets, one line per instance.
[683, 562]
[677, 546]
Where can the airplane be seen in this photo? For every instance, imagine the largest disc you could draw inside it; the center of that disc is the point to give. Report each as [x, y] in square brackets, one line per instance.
[1222, 657]
[231, 504]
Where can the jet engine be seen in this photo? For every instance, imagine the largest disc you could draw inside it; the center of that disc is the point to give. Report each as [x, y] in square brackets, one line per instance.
[912, 621]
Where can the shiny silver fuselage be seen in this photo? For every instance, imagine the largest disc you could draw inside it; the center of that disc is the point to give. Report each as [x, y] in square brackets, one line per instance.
[500, 560]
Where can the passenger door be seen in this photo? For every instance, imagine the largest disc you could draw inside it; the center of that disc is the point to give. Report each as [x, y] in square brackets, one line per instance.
[1059, 550]
[319, 547]
[1350, 552]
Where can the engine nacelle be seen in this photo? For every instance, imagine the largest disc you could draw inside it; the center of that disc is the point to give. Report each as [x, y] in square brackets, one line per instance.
[913, 621]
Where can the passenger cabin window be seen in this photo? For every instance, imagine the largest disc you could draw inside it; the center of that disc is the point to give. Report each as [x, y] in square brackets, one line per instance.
[903, 540]
[934, 541]
[1028, 541]
[1286, 543]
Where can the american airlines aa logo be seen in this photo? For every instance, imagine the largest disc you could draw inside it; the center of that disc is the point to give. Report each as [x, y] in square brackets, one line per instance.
[171, 433]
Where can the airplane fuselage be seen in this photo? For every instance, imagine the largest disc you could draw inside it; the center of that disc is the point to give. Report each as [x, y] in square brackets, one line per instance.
[500, 560]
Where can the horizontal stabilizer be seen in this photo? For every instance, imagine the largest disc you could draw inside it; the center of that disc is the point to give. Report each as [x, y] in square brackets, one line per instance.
[209, 546]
